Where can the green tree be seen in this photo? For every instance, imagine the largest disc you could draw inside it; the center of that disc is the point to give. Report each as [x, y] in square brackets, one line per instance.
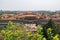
[49, 34]
[40, 29]
[40, 33]
[50, 24]
[56, 37]
[10, 25]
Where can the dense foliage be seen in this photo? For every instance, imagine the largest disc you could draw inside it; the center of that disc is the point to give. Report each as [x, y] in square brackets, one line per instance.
[18, 32]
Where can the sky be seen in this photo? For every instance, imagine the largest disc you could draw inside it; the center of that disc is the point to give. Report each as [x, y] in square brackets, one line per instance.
[29, 5]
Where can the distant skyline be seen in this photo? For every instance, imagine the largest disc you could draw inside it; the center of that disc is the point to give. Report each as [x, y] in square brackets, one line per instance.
[30, 5]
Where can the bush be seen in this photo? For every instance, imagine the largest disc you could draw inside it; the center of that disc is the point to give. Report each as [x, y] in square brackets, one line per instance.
[11, 32]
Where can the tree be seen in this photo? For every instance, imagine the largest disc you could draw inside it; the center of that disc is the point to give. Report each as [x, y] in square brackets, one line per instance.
[39, 29]
[49, 34]
[10, 25]
[40, 33]
[56, 37]
[50, 24]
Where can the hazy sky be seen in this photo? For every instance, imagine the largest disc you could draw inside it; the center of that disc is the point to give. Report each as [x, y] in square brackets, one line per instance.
[28, 5]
